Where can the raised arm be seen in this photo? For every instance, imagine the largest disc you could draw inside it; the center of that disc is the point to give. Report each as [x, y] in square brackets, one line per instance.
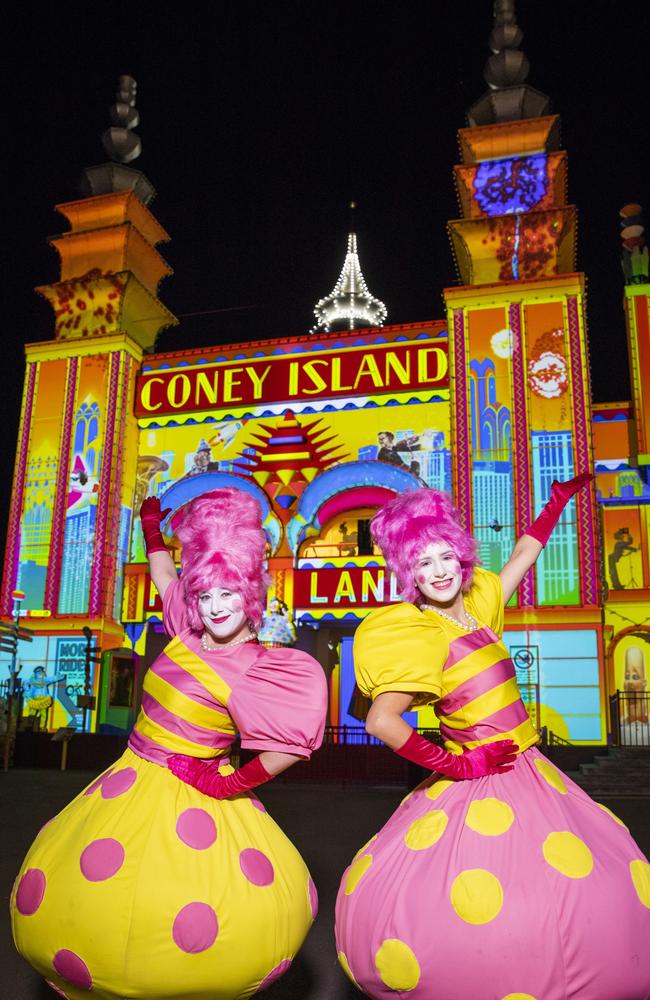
[161, 564]
[385, 722]
[528, 547]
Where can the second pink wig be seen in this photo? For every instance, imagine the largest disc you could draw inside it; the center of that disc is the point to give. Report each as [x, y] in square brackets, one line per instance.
[407, 524]
[223, 545]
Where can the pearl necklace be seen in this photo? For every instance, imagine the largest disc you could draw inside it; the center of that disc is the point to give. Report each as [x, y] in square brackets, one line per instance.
[473, 624]
[224, 645]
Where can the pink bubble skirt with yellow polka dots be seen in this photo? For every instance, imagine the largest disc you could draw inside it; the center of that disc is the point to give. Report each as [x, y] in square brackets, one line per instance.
[515, 886]
[142, 887]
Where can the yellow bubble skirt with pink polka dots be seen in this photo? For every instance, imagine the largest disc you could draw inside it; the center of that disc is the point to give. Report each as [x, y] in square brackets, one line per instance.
[144, 887]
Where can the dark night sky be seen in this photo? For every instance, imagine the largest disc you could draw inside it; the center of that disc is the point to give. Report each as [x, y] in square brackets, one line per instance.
[260, 122]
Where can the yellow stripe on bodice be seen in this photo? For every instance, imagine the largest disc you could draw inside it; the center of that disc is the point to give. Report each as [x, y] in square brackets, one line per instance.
[474, 712]
[524, 736]
[183, 657]
[467, 668]
[186, 708]
[177, 744]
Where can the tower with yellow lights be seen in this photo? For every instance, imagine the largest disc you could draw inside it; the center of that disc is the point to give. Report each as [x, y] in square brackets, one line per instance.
[521, 411]
[74, 478]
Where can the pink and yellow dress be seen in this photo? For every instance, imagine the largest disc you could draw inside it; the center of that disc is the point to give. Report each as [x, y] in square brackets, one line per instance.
[515, 886]
[144, 887]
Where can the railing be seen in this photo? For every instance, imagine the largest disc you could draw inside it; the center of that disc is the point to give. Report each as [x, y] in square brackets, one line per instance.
[551, 739]
[329, 550]
[630, 717]
[357, 736]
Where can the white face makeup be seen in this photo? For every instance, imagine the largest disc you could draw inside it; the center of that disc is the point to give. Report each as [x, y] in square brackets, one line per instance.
[222, 613]
[438, 575]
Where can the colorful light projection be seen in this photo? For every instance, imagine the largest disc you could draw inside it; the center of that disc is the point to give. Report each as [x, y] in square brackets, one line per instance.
[525, 424]
[286, 453]
[326, 374]
[503, 187]
[53, 668]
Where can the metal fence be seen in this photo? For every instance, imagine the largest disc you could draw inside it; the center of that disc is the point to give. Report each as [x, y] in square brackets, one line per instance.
[630, 717]
[357, 736]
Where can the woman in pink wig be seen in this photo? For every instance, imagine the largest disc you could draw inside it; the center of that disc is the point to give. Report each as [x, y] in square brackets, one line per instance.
[497, 878]
[166, 878]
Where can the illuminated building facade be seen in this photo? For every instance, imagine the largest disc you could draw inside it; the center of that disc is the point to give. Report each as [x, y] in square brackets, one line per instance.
[491, 402]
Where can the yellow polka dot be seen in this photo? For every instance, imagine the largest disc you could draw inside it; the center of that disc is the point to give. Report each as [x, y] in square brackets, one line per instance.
[640, 872]
[610, 813]
[491, 817]
[438, 787]
[365, 847]
[550, 775]
[397, 966]
[426, 831]
[477, 896]
[226, 769]
[568, 854]
[519, 996]
[345, 965]
[356, 872]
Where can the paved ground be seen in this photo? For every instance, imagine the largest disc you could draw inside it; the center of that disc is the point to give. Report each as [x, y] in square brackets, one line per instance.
[327, 823]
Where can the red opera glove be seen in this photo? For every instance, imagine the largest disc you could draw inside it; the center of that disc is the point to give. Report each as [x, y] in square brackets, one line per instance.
[492, 758]
[204, 776]
[151, 516]
[561, 493]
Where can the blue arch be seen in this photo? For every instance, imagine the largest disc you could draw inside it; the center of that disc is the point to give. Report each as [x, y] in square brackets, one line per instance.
[195, 486]
[339, 478]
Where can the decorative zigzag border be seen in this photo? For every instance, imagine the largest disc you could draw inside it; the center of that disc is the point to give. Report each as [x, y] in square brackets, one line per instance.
[57, 536]
[278, 409]
[584, 503]
[523, 491]
[12, 556]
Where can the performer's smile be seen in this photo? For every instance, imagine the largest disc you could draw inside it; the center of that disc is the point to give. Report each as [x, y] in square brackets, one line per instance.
[222, 613]
[438, 573]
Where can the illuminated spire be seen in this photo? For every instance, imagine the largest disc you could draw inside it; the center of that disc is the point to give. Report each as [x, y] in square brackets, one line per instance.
[349, 305]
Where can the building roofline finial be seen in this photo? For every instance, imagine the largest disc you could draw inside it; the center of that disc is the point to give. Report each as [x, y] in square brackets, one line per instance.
[119, 140]
[122, 146]
[509, 98]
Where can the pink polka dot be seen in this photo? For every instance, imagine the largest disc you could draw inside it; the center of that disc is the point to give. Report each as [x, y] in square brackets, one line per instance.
[97, 783]
[72, 968]
[101, 859]
[258, 805]
[56, 989]
[256, 867]
[118, 783]
[274, 974]
[195, 928]
[30, 892]
[197, 829]
[313, 898]
[422, 578]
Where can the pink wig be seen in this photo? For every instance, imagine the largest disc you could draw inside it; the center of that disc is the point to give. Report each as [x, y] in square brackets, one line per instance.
[223, 546]
[410, 522]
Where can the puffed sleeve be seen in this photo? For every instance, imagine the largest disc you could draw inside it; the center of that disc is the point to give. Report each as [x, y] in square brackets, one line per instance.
[485, 598]
[400, 648]
[280, 703]
[174, 609]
